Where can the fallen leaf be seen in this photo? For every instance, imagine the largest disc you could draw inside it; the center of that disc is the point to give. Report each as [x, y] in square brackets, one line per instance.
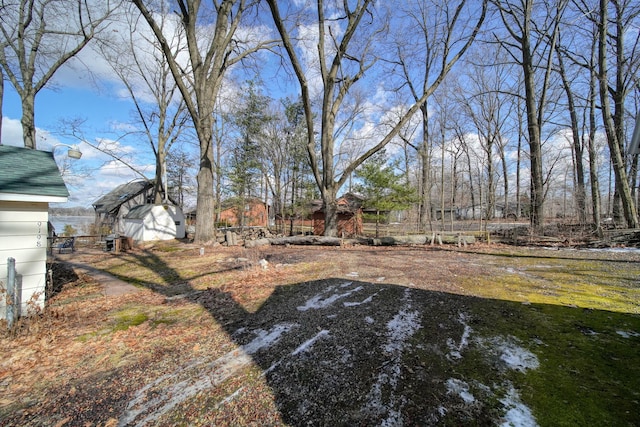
[63, 422]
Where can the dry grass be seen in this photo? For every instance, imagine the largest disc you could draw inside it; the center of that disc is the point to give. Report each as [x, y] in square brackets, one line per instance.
[84, 359]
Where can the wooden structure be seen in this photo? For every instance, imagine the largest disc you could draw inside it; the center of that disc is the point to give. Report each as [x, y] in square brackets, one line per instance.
[349, 216]
[29, 181]
[255, 213]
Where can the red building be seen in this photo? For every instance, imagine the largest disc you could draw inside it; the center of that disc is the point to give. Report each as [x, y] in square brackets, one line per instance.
[251, 213]
[349, 216]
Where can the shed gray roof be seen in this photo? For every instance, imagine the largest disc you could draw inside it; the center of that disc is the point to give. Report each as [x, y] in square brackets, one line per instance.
[111, 201]
[30, 172]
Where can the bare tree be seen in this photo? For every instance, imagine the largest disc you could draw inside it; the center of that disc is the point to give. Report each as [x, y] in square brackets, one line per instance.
[532, 46]
[582, 51]
[38, 38]
[487, 99]
[576, 140]
[613, 122]
[348, 35]
[209, 59]
[180, 176]
[590, 126]
[440, 31]
[159, 109]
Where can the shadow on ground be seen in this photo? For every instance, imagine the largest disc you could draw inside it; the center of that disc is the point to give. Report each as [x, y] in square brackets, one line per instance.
[341, 352]
[61, 274]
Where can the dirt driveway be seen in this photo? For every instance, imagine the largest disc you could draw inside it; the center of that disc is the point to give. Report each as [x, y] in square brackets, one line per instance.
[334, 336]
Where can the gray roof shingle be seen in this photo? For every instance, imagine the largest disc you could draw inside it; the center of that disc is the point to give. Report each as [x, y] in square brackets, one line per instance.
[111, 202]
[30, 172]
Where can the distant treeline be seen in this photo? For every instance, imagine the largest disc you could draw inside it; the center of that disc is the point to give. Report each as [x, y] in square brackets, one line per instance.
[72, 211]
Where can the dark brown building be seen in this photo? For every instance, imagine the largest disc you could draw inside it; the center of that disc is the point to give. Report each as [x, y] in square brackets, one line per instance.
[349, 216]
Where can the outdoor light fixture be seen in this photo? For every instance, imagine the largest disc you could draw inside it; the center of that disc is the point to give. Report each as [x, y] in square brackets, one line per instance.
[73, 153]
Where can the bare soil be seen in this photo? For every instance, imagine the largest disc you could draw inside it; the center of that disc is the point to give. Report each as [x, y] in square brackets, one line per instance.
[331, 336]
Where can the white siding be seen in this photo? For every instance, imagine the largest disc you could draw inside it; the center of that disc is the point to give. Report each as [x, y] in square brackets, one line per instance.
[160, 223]
[133, 228]
[23, 236]
[178, 221]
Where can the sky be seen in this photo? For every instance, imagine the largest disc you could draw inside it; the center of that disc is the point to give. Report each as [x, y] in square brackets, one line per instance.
[99, 101]
[104, 111]
[95, 174]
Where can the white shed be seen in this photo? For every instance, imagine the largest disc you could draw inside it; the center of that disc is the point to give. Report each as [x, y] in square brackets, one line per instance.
[29, 181]
[145, 223]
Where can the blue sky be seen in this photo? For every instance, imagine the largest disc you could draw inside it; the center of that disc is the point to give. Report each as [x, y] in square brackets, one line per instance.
[78, 97]
[98, 100]
[93, 175]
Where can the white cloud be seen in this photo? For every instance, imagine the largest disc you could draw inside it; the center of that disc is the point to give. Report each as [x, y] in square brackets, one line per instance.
[12, 132]
[12, 135]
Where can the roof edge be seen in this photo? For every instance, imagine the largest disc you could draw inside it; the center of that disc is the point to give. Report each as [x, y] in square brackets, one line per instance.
[15, 197]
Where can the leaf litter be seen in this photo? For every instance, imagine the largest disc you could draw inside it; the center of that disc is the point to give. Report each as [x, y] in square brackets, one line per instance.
[315, 345]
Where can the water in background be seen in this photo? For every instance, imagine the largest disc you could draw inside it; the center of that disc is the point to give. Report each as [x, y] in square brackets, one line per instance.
[80, 223]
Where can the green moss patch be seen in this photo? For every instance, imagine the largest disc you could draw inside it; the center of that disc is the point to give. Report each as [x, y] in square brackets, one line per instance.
[589, 363]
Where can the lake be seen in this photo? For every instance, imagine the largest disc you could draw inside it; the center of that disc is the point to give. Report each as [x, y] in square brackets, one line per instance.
[80, 223]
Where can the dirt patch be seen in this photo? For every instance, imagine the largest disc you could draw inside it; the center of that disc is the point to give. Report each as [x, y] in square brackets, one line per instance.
[334, 336]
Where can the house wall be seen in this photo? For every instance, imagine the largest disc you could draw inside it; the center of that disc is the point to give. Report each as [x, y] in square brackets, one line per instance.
[116, 223]
[254, 216]
[179, 221]
[140, 199]
[134, 228]
[478, 212]
[349, 225]
[284, 225]
[23, 236]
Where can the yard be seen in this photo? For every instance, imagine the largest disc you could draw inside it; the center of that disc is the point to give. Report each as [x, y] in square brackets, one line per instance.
[484, 335]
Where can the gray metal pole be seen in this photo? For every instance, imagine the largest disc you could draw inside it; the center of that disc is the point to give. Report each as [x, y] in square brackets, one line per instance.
[11, 292]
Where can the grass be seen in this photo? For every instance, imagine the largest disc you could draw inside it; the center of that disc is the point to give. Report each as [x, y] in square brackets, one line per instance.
[589, 374]
[573, 309]
[588, 283]
[578, 313]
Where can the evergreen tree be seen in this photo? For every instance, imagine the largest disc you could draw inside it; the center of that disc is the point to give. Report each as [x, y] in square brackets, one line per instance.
[384, 190]
[244, 162]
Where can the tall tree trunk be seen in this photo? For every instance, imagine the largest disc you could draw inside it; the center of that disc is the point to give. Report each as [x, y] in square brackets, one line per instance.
[505, 177]
[205, 210]
[578, 149]
[425, 172]
[519, 163]
[28, 120]
[617, 159]
[491, 186]
[330, 212]
[471, 186]
[535, 145]
[442, 205]
[533, 123]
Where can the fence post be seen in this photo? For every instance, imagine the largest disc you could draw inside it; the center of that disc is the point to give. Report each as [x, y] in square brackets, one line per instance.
[11, 292]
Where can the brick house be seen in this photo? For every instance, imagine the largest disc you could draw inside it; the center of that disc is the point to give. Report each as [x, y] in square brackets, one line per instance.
[255, 213]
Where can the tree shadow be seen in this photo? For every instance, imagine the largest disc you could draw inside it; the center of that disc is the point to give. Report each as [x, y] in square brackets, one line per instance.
[61, 274]
[342, 352]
